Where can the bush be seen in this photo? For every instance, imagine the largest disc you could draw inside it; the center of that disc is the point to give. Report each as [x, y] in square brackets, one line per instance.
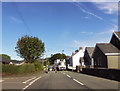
[25, 68]
[38, 66]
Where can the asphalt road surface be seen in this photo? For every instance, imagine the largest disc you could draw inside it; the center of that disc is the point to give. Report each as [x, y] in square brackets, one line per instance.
[59, 80]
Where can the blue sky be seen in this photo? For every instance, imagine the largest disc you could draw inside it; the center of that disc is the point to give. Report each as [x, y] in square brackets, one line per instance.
[61, 25]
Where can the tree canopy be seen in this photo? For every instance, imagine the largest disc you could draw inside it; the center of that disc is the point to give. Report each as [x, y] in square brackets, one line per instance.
[30, 48]
[57, 56]
[5, 56]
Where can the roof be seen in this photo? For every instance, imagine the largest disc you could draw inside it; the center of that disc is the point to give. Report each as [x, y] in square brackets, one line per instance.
[108, 49]
[117, 35]
[90, 50]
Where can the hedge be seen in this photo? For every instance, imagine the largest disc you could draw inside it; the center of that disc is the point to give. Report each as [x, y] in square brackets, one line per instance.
[25, 68]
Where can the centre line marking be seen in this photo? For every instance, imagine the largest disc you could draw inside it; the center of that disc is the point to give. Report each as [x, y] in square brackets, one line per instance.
[29, 80]
[78, 82]
[68, 76]
[31, 83]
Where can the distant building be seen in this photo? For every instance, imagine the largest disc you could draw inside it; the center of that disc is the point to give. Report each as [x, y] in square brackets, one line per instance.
[60, 63]
[88, 60]
[106, 55]
[67, 61]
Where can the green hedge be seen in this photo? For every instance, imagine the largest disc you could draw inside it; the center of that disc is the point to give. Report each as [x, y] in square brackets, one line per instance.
[25, 68]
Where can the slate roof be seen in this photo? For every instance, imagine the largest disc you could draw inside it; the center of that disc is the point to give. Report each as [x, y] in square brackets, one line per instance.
[90, 50]
[107, 48]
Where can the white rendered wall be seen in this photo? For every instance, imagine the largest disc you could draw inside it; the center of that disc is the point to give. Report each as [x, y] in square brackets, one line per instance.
[76, 58]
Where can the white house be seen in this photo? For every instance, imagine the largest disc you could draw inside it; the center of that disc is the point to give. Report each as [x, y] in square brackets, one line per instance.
[57, 61]
[74, 61]
[60, 64]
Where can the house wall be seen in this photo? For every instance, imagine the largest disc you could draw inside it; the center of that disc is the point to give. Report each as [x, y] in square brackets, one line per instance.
[87, 59]
[100, 60]
[113, 62]
[76, 58]
[115, 41]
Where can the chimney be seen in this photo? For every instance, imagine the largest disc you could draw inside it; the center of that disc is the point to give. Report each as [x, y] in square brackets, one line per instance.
[80, 48]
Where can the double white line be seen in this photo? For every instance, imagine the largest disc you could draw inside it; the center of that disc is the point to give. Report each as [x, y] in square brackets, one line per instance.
[31, 82]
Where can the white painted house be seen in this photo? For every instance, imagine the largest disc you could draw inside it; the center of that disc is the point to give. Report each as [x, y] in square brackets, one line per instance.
[74, 61]
[60, 64]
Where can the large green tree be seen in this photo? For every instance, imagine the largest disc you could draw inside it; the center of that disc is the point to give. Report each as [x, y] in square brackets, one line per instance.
[30, 48]
[56, 56]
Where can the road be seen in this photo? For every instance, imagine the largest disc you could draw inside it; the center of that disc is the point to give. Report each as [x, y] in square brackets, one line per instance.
[59, 80]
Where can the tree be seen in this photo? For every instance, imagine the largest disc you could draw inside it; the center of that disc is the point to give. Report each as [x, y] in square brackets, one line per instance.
[5, 56]
[30, 48]
[57, 56]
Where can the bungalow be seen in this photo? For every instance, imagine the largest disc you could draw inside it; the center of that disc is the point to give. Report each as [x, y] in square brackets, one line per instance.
[88, 60]
[75, 59]
[106, 55]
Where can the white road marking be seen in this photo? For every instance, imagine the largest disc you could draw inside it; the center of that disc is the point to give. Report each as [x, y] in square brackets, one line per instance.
[64, 73]
[1, 80]
[29, 80]
[68, 76]
[78, 82]
[31, 83]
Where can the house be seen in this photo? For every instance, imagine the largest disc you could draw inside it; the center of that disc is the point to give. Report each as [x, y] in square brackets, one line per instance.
[106, 55]
[75, 59]
[88, 60]
[115, 40]
[61, 64]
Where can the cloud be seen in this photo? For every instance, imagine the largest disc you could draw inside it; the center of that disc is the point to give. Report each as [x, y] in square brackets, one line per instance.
[95, 0]
[83, 32]
[110, 31]
[16, 20]
[87, 12]
[105, 32]
[86, 17]
[87, 43]
[108, 8]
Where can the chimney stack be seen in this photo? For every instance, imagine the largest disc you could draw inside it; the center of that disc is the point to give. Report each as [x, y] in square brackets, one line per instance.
[80, 48]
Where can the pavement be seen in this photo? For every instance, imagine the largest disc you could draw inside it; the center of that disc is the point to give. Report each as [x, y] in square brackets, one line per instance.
[59, 80]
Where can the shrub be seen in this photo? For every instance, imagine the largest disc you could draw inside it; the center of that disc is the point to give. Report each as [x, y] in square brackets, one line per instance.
[27, 68]
[38, 66]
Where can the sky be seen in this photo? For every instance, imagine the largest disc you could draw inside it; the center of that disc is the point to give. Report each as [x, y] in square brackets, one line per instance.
[60, 25]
